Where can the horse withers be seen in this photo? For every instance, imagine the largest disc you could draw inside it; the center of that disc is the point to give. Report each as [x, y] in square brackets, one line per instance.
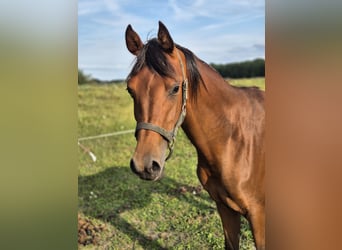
[172, 88]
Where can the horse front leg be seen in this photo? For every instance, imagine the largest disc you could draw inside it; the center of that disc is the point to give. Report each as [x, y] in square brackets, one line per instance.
[231, 226]
[257, 220]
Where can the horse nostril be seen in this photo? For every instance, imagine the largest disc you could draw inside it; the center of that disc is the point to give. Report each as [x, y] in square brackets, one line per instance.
[155, 166]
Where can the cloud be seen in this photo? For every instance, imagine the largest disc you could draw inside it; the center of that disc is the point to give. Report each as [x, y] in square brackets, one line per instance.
[260, 47]
[89, 7]
[217, 31]
[218, 9]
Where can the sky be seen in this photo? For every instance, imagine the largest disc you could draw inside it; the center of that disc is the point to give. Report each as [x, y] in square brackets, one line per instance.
[217, 31]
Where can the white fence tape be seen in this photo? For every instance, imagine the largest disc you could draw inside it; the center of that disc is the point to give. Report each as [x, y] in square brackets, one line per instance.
[106, 135]
[87, 150]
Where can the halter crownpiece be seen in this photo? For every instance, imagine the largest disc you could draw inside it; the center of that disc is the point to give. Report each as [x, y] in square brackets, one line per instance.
[170, 136]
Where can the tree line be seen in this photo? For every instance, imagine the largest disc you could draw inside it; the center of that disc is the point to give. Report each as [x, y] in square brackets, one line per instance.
[246, 69]
[84, 78]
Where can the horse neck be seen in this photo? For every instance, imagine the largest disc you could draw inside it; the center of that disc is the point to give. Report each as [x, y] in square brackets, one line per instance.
[206, 120]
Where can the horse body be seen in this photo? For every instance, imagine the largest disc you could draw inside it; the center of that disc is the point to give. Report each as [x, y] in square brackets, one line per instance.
[226, 124]
[230, 147]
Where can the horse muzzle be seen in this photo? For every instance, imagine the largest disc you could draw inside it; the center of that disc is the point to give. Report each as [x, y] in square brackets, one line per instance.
[149, 169]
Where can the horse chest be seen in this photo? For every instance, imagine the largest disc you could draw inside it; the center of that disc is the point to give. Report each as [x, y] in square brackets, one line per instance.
[216, 189]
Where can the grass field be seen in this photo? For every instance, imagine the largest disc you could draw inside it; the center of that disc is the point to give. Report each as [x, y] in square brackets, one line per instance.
[173, 213]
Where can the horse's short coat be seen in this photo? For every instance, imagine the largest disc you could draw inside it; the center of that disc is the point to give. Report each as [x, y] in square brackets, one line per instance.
[226, 124]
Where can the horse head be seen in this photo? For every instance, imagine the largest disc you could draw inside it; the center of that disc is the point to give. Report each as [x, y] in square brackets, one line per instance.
[157, 85]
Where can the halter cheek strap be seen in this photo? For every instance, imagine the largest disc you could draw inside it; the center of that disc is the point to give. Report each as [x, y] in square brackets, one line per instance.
[170, 136]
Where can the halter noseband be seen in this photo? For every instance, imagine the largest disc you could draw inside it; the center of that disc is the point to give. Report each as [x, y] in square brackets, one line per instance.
[170, 136]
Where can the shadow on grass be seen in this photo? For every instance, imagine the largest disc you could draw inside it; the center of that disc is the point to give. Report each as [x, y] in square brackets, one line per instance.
[116, 190]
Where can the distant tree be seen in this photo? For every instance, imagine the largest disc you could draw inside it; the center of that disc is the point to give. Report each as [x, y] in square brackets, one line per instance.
[247, 69]
[82, 77]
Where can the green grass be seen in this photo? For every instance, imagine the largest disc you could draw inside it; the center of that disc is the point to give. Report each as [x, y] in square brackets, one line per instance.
[172, 213]
[258, 82]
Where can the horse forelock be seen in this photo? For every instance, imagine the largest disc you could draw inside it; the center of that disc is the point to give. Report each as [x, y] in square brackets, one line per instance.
[153, 56]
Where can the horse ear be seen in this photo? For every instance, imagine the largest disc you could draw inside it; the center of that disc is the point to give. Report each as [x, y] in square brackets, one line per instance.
[133, 41]
[164, 38]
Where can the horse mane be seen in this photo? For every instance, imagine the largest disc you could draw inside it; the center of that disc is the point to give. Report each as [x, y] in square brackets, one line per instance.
[153, 56]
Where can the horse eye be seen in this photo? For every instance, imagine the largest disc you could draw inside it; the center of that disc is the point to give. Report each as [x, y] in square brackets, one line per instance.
[175, 90]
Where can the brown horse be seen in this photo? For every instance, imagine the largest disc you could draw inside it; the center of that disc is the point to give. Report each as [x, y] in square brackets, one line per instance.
[226, 124]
